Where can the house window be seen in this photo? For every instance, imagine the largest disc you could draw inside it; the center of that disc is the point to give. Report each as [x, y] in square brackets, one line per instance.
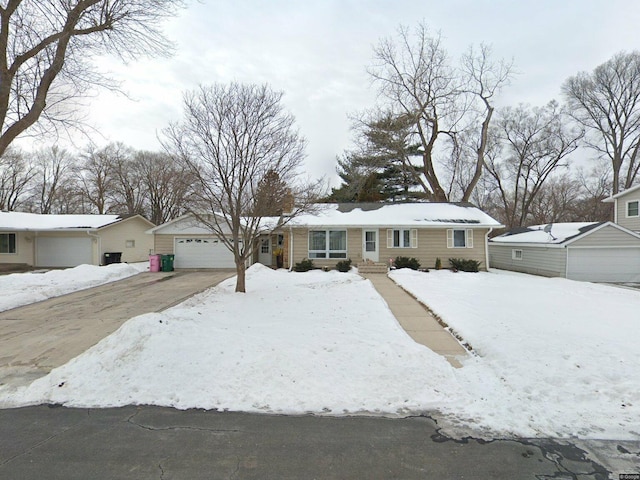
[402, 238]
[459, 238]
[265, 246]
[327, 244]
[7, 243]
[632, 208]
[516, 254]
[130, 244]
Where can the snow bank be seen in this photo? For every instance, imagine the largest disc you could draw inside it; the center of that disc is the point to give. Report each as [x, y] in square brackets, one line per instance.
[555, 357]
[25, 288]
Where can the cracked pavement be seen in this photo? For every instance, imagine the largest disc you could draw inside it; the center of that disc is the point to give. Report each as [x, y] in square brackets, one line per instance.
[147, 442]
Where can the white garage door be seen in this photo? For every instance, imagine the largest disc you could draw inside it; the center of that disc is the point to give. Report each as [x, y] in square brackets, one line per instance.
[202, 252]
[604, 264]
[63, 252]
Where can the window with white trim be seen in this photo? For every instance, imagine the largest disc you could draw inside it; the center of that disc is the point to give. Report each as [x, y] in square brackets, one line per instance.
[327, 244]
[460, 238]
[516, 254]
[7, 243]
[402, 238]
[633, 208]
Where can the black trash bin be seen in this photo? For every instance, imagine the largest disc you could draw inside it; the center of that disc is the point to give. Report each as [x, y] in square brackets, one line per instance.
[112, 257]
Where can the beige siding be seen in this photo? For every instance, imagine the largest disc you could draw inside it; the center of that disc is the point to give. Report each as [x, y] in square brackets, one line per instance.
[548, 262]
[432, 244]
[114, 238]
[632, 223]
[608, 236]
[163, 244]
[25, 249]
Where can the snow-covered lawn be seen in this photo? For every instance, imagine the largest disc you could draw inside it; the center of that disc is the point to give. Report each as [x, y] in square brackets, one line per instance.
[20, 289]
[555, 357]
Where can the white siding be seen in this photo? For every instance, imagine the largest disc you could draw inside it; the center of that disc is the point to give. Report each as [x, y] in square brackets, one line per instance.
[632, 223]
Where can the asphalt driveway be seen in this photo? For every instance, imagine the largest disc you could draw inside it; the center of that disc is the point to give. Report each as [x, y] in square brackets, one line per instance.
[36, 338]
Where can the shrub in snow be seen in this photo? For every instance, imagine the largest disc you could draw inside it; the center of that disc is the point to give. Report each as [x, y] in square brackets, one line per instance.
[464, 264]
[438, 263]
[406, 262]
[343, 265]
[304, 266]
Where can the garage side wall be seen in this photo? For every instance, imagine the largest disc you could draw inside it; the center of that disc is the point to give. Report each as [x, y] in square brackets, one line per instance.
[119, 238]
[547, 262]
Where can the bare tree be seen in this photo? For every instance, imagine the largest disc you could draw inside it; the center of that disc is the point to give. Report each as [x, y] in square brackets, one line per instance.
[53, 167]
[46, 47]
[230, 138]
[417, 78]
[15, 177]
[535, 143]
[127, 190]
[607, 103]
[166, 185]
[94, 175]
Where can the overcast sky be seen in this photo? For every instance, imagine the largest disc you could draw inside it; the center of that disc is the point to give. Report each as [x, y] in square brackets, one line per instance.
[317, 53]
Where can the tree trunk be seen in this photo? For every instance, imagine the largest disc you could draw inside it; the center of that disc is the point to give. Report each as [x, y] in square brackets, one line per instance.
[240, 272]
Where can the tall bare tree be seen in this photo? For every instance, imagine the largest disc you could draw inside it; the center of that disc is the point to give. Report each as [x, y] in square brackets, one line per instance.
[607, 103]
[535, 143]
[230, 138]
[46, 47]
[417, 79]
[53, 167]
[15, 176]
[94, 175]
[166, 185]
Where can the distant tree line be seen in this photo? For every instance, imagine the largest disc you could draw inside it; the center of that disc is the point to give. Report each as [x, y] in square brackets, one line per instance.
[113, 179]
[437, 135]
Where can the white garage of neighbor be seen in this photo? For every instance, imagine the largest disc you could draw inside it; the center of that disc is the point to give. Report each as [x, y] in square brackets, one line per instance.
[594, 252]
[64, 251]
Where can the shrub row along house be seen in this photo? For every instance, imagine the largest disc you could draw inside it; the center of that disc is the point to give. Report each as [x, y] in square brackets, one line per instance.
[597, 252]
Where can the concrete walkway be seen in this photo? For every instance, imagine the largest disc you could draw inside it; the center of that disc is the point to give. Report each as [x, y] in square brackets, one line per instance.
[416, 320]
[36, 338]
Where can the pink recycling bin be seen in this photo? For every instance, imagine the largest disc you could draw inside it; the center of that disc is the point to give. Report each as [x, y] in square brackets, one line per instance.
[154, 263]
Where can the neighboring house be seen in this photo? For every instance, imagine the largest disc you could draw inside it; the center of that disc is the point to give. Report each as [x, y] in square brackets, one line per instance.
[626, 208]
[69, 240]
[597, 252]
[376, 232]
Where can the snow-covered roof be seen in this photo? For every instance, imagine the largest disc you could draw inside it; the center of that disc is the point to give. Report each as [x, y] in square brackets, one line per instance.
[398, 214]
[612, 198]
[36, 221]
[558, 233]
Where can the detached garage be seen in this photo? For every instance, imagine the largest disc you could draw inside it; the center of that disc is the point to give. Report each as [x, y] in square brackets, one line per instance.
[593, 252]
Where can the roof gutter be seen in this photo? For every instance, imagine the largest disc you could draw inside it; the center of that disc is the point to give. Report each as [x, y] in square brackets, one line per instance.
[486, 247]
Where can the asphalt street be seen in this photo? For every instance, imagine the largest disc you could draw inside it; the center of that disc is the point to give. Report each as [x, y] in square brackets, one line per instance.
[143, 442]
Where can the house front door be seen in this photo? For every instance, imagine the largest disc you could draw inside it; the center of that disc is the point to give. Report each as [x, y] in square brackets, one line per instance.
[370, 249]
[264, 252]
